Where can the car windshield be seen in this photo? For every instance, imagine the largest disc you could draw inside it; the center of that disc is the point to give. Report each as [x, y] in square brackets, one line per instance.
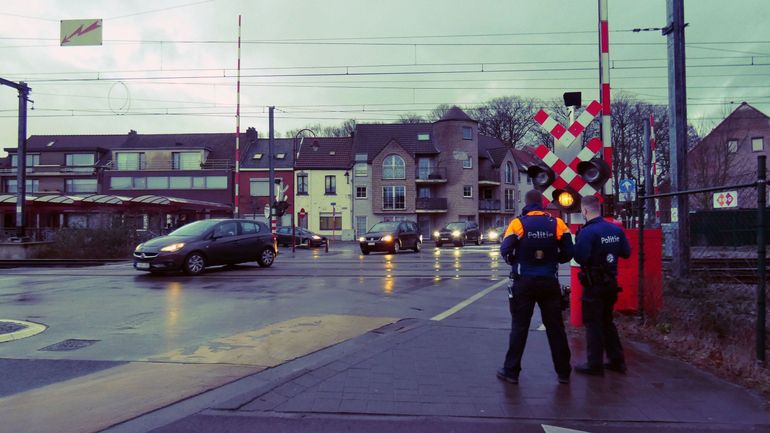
[385, 227]
[194, 228]
[455, 226]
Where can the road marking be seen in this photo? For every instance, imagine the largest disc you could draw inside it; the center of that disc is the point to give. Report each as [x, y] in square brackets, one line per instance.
[541, 327]
[30, 329]
[468, 301]
[277, 343]
[108, 397]
[554, 429]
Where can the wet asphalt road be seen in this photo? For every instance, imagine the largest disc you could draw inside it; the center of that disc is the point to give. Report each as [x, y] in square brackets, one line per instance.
[127, 315]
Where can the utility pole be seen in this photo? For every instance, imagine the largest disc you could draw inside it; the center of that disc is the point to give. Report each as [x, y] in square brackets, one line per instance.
[271, 170]
[677, 103]
[648, 177]
[21, 155]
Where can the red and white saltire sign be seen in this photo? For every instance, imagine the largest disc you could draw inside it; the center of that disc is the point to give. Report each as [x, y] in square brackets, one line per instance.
[566, 175]
[566, 136]
[725, 199]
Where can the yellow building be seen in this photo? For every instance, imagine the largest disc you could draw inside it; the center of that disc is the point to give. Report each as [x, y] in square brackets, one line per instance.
[323, 197]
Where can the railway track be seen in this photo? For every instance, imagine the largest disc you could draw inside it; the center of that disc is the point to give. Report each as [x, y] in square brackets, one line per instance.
[727, 270]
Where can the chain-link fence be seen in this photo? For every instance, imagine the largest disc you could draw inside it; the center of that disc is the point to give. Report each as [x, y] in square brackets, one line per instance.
[714, 303]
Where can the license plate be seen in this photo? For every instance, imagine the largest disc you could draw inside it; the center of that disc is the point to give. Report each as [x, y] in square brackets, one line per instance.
[371, 244]
[142, 265]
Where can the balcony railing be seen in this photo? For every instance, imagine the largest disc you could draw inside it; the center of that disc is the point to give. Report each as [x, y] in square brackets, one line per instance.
[430, 174]
[168, 164]
[431, 203]
[52, 169]
[492, 175]
[489, 204]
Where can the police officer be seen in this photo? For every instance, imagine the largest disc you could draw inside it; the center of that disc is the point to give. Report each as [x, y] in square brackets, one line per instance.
[534, 244]
[598, 246]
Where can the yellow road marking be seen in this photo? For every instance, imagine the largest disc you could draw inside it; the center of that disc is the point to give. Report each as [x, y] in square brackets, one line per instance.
[98, 400]
[277, 343]
[30, 329]
[468, 301]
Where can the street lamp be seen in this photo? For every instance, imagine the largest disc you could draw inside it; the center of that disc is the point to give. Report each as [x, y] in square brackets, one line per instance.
[294, 156]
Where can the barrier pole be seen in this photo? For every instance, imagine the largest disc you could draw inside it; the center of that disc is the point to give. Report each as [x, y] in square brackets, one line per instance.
[761, 261]
[640, 288]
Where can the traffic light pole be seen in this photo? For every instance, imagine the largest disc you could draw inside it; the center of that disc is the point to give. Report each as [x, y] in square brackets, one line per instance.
[271, 169]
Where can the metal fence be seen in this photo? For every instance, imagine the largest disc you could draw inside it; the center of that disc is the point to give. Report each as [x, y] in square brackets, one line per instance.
[719, 302]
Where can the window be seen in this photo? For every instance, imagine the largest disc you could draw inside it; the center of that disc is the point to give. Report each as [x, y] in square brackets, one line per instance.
[180, 182]
[330, 183]
[280, 156]
[226, 229]
[510, 199]
[157, 182]
[257, 156]
[468, 162]
[79, 161]
[248, 228]
[360, 192]
[80, 185]
[529, 180]
[393, 167]
[216, 182]
[128, 182]
[467, 191]
[467, 133]
[302, 184]
[732, 146]
[131, 161]
[508, 172]
[423, 192]
[185, 160]
[757, 144]
[32, 185]
[360, 170]
[329, 221]
[32, 160]
[360, 225]
[394, 197]
[423, 137]
[259, 187]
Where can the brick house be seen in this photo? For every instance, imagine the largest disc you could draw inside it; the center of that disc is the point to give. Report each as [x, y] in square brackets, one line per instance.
[728, 155]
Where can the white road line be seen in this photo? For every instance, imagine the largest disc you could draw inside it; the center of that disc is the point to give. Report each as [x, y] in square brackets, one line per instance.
[468, 301]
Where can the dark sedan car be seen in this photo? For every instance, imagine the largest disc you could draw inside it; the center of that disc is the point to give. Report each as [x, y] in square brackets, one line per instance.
[458, 233]
[301, 237]
[392, 237]
[195, 246]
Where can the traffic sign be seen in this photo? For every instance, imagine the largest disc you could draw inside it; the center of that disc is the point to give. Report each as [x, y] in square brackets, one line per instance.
[567, 174]
[267, 211]
[81, 32]
[627, 190]
[726, 199]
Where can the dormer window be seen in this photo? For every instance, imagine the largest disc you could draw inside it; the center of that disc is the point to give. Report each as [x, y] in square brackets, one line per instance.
[332, 153]
[280, 156]
[423, 137]
[257, 156]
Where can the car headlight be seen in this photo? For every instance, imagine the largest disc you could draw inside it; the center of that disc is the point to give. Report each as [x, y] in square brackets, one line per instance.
[387, 238]
[173, 247]
[456, 233]
[138, 247]
[436, 234]
[492, 235]
[362, 239]
[316, 237]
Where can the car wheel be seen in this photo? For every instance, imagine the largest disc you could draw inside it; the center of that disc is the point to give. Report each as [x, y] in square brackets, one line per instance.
[266, 257]
[194, 264]
[478, 240]
[364, 251]
[396, 247]
[417, 246]
[438, 244]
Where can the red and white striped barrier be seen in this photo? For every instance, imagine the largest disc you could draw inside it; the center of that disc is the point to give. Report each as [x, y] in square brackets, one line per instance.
[566, 175]
[566, 136]
[604, 81]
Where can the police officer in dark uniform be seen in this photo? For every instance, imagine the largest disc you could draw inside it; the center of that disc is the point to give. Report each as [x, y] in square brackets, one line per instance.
[534, 244]
[598, 246]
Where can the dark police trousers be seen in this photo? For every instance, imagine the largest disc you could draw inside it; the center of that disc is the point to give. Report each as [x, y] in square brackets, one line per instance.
[601, 333]
[544, 291]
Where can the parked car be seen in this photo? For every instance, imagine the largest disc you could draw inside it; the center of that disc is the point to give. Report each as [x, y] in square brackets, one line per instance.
[200, 244]
[459, 233]
[392, 237]
[495, 234]
[301, 237]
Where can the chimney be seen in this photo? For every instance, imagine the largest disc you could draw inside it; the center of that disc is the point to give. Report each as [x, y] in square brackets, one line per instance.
[251, 134]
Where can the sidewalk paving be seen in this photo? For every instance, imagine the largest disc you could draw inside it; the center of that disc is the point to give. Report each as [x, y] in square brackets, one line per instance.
[440, 376]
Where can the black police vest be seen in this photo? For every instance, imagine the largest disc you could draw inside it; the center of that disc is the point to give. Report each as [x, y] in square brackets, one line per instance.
[538, 247]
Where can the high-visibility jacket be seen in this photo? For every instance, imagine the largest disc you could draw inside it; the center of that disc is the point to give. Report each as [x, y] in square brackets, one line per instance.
[535, 244]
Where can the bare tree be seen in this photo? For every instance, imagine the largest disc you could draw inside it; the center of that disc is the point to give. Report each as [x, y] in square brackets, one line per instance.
[411, 118]
[508, 118]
